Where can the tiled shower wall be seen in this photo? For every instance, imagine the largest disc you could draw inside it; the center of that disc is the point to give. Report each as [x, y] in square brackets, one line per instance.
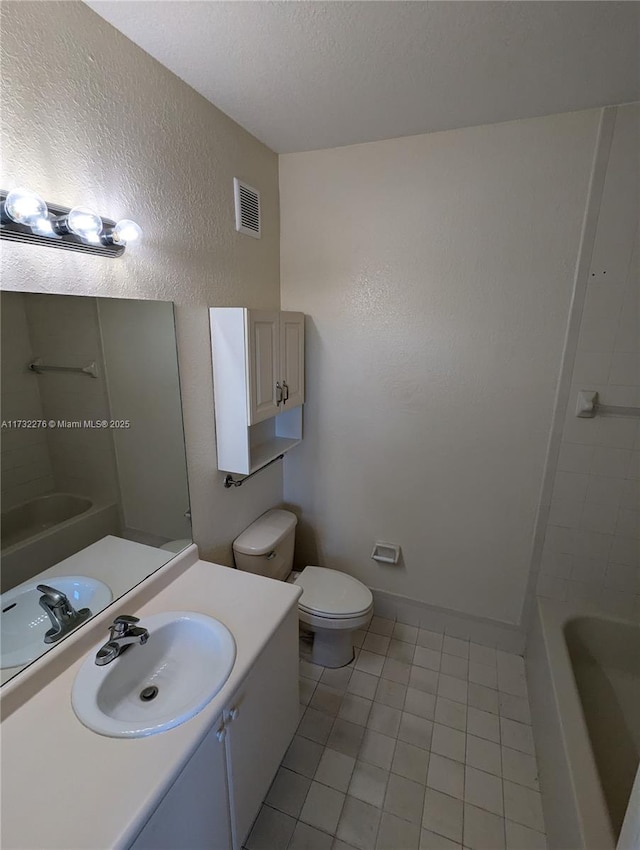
[591, 547]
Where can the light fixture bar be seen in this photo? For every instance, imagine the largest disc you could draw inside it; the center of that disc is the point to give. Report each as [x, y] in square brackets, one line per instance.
[16, 232]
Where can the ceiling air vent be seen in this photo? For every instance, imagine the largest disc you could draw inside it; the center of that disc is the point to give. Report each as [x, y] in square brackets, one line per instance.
[247, 208]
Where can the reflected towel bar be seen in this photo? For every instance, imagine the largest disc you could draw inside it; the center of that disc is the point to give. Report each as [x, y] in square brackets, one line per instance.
[230, 481]
[589, 406]
[38, 367]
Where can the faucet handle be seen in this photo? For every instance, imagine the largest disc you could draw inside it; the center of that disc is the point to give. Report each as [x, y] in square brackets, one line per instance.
[122, 624]
[56, 597]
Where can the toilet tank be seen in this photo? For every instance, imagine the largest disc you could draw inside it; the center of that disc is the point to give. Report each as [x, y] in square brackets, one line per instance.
[266, 546]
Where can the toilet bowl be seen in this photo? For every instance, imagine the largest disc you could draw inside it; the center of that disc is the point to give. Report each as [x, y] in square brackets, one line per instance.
[333, 604]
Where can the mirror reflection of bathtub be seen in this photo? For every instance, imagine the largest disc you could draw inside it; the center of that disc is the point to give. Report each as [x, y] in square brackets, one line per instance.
[94, 480]
[43, 531]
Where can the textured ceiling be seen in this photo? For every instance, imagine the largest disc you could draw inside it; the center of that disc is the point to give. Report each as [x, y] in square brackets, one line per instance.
[306, 75]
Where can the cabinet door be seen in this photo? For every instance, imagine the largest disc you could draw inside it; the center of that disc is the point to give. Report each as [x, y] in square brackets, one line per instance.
[292, 358]
[260, 723]
[194, 812]
[263, 364]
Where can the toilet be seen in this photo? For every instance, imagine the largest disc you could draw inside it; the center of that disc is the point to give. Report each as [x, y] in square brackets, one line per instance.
[333, 605]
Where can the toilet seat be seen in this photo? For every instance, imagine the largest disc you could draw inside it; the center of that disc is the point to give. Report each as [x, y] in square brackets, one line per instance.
[332, 595]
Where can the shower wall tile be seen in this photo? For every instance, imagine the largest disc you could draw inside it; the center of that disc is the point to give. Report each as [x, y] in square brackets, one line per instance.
[591, 550]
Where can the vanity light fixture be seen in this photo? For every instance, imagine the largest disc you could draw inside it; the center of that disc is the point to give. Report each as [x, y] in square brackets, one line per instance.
[25, 217]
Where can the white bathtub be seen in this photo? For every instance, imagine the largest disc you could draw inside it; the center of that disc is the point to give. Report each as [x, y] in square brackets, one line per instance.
[48, 529]
[584, 685]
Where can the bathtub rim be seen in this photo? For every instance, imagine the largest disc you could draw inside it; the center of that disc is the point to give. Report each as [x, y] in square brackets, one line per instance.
[593, 817]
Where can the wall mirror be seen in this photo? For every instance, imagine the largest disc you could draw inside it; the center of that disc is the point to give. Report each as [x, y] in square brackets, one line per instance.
[94, 479]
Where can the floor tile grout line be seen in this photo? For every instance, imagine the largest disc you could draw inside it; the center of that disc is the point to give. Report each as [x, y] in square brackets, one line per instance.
[397, 740]
[499, 714]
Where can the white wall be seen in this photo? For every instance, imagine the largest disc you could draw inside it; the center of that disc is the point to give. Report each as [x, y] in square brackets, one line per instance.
[437, 272]
[591, 549]
[90, 118]
[26, 462]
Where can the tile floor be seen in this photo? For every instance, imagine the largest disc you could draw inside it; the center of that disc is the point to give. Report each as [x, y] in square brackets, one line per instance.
[423, 742]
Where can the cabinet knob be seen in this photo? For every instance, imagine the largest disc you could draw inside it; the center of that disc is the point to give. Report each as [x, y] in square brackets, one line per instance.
[221, 734]
[285, 388]
[278, 393]
[234, 712]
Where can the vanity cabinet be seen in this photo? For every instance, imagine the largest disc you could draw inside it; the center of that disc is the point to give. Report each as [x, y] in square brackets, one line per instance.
[260, 723]
[194, 813]
[258, 379]
[216, 797]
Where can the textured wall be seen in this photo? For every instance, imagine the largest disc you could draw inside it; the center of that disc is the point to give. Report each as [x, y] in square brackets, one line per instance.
[437, 272]
[591, 551]
[90, 118]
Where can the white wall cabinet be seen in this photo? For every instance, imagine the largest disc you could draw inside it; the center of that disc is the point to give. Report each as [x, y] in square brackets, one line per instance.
[216, 797]
[258, 381]
[292, 358]
[262, 364]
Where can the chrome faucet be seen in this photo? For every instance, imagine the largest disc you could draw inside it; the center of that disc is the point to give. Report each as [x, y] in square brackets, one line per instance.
[122, 633]
[64, 617]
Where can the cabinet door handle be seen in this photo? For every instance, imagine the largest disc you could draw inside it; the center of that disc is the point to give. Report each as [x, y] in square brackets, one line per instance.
[221, 734]
[278, 393]
[285, 387]
[234, 712]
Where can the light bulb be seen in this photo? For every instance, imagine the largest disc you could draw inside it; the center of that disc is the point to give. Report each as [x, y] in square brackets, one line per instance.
[25, 207]
[126, 231]
[84, 223]
[43, 227]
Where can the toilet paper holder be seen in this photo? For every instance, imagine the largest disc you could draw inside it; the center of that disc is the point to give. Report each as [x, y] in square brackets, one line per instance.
[386, 553]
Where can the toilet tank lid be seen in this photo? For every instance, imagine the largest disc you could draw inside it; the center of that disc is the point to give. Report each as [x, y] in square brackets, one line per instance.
[265, 533]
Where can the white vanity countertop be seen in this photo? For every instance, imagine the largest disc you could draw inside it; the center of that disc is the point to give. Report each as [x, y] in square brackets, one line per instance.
[67, 788]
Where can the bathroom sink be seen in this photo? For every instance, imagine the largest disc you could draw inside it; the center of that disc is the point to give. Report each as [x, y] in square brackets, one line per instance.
[24, 623]
[155, 686]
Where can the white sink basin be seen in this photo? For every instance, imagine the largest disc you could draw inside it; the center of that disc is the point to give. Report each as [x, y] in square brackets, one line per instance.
[187, 658]
[24, 623]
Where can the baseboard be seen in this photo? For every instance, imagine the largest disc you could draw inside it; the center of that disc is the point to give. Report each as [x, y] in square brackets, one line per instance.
[480, 630]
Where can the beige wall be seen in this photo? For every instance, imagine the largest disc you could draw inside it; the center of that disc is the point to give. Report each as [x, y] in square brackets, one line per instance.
[90, 118]
[437, 272]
